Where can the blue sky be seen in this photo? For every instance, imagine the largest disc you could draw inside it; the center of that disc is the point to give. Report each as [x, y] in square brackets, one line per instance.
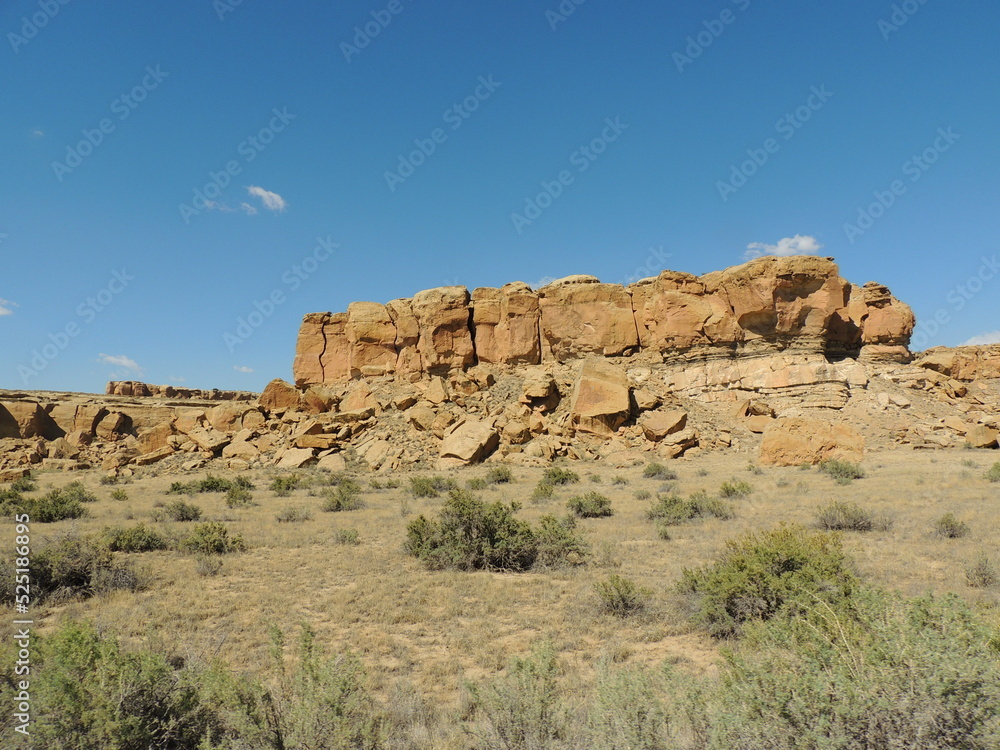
[173, 169]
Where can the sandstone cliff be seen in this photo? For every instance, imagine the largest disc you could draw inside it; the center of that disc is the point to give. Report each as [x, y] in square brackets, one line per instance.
[767, 305]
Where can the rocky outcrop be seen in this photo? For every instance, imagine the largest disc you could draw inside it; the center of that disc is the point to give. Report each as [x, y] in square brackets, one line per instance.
[794, 441]
[138, 389]
[766, 306]
[964, 363]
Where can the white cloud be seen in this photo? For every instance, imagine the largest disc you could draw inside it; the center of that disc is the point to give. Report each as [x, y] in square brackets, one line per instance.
[5, 307]
[242, 368]
[272, 201]
[120, 360]
[992, 337]
[248, 209]
[37, 133]
[800, 244]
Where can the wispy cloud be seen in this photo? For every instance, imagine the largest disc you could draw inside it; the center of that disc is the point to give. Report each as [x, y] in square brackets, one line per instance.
[242, 368]
[120, 360]
[248, 209]
[800, 244]
[271, 201]
[37, 133]
[991, 337]
[5, 307]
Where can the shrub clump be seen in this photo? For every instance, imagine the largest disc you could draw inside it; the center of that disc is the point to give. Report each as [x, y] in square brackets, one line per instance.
[558, 475]
[760, 575]
[499, 475]
[659, 471]
[238, 497]
[949, 527]
[283, 486]
[471, 534]
[993, 473]
[621, 596]
[736, 488]
[347, 536]
[292, 515]
[80, 566]
[841, 516]
[138, 538]
[590, 505]
[670, 510]
[843, 472]
[559, 545]
[181, 511]
[24, 484]
[55, 505]
[982, 574]
[431, 486]
[213, 538]
[345, 496]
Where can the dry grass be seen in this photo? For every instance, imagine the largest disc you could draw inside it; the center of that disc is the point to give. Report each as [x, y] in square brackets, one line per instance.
[433, 629]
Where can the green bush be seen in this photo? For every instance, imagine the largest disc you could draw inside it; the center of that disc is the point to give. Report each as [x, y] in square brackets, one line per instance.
[119, 495]
[283, 486]
[238, 497]
[844, 472]
[477, 483]
[590, 505]
[500, 475]
[55, 505]
[109, 479]
[949, 527]
[214, 484]
[659, 471]
[292, 515]
[182, 488]
[669, 510]
[138, 538]
[182, 511]
[619, 480]
[23, 484]
[98, 695]
[431, 486]
[886, 673]
[558, 475]
[621, 596]
[213, 538]
[642, 494]
[760, 575]
[736, 488]
[841, 516]
[76, 491]
[993, 474]
[559, 545]
[543, 491]
[471, 534]
[80, 566]
[628, 712]
[345, 496]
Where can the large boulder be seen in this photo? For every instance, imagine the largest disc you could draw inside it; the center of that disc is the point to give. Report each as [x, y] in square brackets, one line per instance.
[580, 316]
[280, 396]
[505, 322]
[793, 441]
[371, 335]
[470, 443]
[601, 401]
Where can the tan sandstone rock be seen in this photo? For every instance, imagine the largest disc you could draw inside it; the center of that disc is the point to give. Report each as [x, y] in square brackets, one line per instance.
[601, 401]
[793, 441]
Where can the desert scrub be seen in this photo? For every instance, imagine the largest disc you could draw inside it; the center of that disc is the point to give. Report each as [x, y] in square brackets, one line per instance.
[431, 486]
[621, 596]
[670, 509]
[659, 471]
[347, 536]
[477, 483]
[761, 574]
[982, 574]
[843, 472]
[55, 505]
[470, 534]
[499, 475]
[841, 516]
[556, 475]
[949, 527]
[345, 496]
[736, 488]
[590, 505]
[213, 538]
[559, 544]
[138, 538]
[79, 566]
[993, 474]
[238, 497]
[292, 515]
[119, 495]
[181, 511]
[543, 491]
[283, 486]
[887, 672]
[23, 484]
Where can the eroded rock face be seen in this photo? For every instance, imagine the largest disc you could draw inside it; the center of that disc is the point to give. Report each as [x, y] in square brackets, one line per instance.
[794, 441]
[764, 306]
[964, 362]
[601, 401]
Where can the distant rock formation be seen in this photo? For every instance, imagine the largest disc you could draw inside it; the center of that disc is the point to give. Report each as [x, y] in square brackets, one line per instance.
[767, 305]
[135, 388]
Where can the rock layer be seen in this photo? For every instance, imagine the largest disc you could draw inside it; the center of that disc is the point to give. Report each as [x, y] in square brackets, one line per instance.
[764, 306]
